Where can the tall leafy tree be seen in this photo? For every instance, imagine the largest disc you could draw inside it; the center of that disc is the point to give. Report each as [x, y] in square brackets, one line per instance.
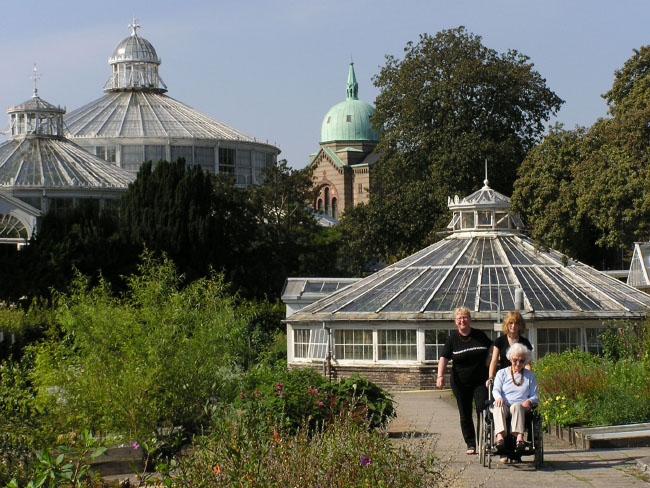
[586, 192]
[445, 107]
[291, 242]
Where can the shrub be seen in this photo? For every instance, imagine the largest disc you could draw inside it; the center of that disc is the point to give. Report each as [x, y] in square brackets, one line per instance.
[579, 388]
[302, 397]
[626, 340]
[344, 453]
[142, 365]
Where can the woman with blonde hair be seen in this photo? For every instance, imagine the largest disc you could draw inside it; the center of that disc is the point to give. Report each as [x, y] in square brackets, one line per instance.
[512, 328]
[468, 348]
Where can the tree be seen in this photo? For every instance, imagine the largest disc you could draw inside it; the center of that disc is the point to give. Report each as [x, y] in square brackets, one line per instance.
[83, 238]
[546, 196]
[444, 108]
[291, 243]
[587, 192]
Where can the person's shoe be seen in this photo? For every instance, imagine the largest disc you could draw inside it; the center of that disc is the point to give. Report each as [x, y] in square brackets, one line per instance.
[470, 451]
[499, 444]
[504, 459]
[521, 446]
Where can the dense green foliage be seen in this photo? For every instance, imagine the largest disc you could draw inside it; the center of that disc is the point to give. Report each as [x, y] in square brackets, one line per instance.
[255, 236]
[82, 238]
[579, 388]
[157, 364]
[586, 191]
[446, 107]
[341, 454]
[143, 363]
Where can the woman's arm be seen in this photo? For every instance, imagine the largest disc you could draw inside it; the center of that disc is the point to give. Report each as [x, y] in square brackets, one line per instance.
[493, 364]
[442, 365]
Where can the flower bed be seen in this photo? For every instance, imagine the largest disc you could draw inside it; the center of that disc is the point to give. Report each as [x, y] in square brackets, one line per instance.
[578, 388]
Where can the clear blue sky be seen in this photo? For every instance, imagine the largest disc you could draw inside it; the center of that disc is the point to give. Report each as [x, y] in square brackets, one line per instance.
[274, 68]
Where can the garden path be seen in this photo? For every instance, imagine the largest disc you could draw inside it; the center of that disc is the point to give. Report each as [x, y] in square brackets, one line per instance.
[429, 420]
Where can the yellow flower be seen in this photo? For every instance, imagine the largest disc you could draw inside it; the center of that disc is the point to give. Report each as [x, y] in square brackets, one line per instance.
[557, 398]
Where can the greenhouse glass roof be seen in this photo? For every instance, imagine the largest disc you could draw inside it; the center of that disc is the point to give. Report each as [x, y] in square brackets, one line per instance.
[38, 156]
[479, 266]
[148, 114]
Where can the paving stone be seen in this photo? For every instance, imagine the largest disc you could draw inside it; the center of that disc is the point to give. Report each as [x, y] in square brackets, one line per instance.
[431, 417]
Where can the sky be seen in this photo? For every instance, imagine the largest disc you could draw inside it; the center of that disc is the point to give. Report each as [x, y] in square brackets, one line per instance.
[274, 68]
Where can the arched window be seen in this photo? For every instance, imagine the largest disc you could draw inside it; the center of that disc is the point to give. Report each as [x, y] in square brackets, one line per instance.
[327, 201]
[319, 205]
[335, 209]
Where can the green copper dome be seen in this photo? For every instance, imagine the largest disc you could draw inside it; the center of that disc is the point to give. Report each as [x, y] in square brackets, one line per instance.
[349, 120]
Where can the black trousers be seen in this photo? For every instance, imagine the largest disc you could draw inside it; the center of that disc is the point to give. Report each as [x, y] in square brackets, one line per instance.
[464, 396]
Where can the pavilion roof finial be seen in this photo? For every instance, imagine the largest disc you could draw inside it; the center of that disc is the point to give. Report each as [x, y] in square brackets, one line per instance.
[134, 26]
[35, 76]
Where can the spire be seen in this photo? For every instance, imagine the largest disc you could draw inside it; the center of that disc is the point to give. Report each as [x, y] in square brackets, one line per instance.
[35, 77]
[353, 86]
[134, 26]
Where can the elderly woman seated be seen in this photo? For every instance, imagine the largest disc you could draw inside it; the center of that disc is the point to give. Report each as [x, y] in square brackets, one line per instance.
[515, 392]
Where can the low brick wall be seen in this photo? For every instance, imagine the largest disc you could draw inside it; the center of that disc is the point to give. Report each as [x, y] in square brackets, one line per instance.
[390, 378]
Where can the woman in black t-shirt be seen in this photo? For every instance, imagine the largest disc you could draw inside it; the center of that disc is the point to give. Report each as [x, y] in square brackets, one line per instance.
[512, 328]
[469, 349]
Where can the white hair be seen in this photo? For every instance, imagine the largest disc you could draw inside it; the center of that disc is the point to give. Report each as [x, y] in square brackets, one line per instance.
[520, 350]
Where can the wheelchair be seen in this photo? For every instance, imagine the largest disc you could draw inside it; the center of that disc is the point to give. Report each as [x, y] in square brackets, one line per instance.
[534, 437]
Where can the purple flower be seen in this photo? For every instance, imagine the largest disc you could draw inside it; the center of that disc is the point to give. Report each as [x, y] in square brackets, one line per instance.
[135, 445]
[365, 461]
[242, 395]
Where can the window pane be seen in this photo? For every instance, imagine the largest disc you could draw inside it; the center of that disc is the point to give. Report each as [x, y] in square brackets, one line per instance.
[182, 152]
[132, 157]
[154, 153]
[398, 345]
[204, 156]
[353, 344]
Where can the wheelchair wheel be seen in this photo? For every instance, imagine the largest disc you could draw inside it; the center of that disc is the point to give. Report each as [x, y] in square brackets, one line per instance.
[539, 449]
[489, 439]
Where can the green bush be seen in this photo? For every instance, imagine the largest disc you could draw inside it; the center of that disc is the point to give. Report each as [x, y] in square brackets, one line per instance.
[145, 364]
[303, 397]
[21, 432]
[579, 388]
[344, 453]
[626, 340]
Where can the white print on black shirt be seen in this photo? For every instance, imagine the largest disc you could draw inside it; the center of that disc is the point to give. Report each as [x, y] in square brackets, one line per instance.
[477, 348]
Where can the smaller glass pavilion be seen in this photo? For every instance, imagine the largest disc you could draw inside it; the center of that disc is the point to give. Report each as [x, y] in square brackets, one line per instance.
[40, 170]
[391, 325]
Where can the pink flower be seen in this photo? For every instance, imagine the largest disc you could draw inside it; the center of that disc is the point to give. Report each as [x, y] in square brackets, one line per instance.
[135, 445]
[320, 404]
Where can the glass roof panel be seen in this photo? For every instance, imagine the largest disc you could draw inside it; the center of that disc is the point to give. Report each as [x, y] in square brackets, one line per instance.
[459, 289]
[482, 251]
[418, 255]
[518, 254]
[379, 295]
[539, 293]
[338, 299]
[418, 292]
[629, 297]
[583, 295]
[443, 255]
[497, 289]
